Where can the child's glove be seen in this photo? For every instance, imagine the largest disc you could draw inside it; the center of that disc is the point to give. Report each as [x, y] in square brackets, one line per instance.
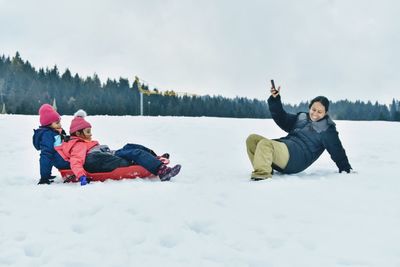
[83, 180]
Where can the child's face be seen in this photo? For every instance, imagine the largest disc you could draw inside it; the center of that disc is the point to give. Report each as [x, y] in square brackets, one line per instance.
[86, 134]
[56, 125]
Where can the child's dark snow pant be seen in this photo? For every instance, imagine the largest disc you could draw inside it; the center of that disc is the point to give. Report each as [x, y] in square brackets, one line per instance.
[140, 155]
[106, 161]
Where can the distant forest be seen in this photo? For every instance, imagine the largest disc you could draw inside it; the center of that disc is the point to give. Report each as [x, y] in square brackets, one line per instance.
[23, 89]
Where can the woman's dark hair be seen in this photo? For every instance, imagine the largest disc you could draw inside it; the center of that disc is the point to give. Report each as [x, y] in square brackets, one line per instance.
[321, 99]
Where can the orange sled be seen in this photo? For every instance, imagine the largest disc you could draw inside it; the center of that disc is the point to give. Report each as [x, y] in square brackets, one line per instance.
[130, 172]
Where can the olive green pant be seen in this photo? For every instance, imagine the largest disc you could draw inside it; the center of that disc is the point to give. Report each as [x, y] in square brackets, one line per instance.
[263, 153]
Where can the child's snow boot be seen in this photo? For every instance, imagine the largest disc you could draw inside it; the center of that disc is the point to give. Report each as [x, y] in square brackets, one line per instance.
[166, 173]
[45, 181]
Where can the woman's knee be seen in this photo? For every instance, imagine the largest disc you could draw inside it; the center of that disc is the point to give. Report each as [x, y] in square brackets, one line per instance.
[265, 142]
[252, 138]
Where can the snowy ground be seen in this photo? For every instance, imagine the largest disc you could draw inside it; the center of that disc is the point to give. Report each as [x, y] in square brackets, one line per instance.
[211, 214]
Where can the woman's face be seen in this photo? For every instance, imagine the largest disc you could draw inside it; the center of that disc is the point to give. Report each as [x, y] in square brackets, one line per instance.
[317, 111]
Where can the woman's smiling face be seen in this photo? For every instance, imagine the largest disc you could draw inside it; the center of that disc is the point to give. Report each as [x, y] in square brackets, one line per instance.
[317, 111]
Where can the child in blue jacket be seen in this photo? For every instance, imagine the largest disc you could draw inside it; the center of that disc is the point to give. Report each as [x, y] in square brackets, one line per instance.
[49, 135]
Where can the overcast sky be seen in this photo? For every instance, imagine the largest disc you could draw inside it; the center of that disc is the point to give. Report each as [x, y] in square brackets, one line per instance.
[340, 49]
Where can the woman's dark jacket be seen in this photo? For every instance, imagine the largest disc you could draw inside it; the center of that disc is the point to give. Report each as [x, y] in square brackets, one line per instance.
[307, 139]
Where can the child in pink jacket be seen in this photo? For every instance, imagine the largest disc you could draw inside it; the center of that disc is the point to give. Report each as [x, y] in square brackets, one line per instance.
[85, 154]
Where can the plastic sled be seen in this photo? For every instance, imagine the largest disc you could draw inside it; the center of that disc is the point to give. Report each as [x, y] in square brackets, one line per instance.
[130, 172]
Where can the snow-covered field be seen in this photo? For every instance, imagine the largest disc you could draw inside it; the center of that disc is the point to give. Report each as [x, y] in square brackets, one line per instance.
[211, 214]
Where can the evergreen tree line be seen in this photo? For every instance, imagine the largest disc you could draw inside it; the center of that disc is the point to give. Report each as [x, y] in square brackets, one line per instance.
[23, 89]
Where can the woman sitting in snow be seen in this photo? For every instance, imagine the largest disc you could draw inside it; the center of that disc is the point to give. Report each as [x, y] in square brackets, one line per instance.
[309, 134]
[49, 135]
[85, 154]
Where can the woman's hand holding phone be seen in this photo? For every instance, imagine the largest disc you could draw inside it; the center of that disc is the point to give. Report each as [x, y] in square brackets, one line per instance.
[274, 91]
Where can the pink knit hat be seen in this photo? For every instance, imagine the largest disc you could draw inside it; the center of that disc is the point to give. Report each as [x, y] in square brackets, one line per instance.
[48, 115]
[79, 123]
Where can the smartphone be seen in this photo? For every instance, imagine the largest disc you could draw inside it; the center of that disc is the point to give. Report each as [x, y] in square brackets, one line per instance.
[273, 88]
